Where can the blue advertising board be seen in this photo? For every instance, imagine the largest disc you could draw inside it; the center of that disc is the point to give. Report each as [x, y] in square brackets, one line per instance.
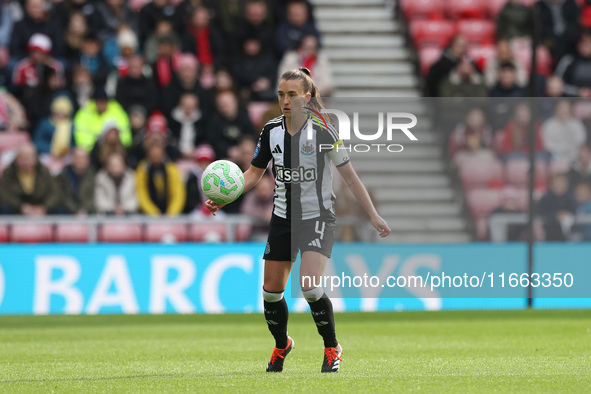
[221, 278]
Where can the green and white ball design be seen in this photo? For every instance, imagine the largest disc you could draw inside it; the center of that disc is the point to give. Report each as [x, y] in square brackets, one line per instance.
[222, 181]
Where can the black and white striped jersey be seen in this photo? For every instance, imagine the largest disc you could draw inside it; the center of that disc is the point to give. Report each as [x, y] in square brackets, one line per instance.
[301, 166]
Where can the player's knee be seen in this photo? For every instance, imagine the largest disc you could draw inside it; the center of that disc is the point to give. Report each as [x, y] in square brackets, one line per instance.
[271, 296]
[314, 294]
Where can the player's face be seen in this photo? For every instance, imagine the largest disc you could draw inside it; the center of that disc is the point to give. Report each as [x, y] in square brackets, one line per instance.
[287, 90]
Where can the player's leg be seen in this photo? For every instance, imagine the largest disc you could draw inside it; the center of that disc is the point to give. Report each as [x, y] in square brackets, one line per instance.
[312, 267]
[276, 312]
[278, 264]
[316, 246]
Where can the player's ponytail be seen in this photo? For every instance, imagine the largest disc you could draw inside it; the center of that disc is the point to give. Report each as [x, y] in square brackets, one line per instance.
[315, 92]
[306, 71]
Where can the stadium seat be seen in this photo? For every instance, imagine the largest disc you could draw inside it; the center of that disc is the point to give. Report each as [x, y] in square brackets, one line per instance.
[165, 232]
[431, 33]
[467, 9]
[479, 173]
[517, 172]
[120, 232]
[477, 31]
[481, 228]
[520, 194]
[483, 201]
[3, 233]
[523, 54]
[545, 66]
[11, 141]
[243, 232]
[31, 233]
[72, 232]
[208, 232]
[427, 57]
[421, 9]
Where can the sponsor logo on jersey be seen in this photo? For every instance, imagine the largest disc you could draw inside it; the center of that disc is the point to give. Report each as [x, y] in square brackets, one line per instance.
[307, 149]
[295, 175]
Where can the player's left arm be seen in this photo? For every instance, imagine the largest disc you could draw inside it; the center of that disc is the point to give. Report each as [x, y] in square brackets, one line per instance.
[362, 196]
[341, 160]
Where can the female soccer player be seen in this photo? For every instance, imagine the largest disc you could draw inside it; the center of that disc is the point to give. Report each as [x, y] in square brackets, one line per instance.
[303, 201]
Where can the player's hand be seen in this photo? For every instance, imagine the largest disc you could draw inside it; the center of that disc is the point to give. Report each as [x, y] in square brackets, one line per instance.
[213, 206]
[381, 225]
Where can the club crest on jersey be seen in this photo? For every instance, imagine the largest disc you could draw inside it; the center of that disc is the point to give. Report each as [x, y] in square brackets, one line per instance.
[307, 149]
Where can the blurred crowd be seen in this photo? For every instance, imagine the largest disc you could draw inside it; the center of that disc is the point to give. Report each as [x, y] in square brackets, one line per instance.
[496, 161]
[477, 54]
[124, 102]
[499, 64]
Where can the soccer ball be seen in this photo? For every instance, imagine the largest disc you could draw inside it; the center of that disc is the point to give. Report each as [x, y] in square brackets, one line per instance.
[222, 181]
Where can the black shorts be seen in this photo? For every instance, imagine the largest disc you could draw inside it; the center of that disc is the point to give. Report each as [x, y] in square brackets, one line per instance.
[315, 235]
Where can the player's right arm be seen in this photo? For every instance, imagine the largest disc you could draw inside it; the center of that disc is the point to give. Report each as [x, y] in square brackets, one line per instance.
[252, 176]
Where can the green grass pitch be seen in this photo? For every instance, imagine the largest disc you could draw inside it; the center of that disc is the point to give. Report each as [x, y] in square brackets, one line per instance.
[515, 351]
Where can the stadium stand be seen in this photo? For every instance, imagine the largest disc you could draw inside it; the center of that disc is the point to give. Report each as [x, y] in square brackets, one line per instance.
[466, 9]
[477, 31]
[367, 46]
[478, 173]
[165, 233]
[12, 140]
[429, 33]
[3, 233]
[31, 233]
[432, 24]
[430, 9]
[215, 232]
[72, 233]
[120, 232]
[517, 173]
